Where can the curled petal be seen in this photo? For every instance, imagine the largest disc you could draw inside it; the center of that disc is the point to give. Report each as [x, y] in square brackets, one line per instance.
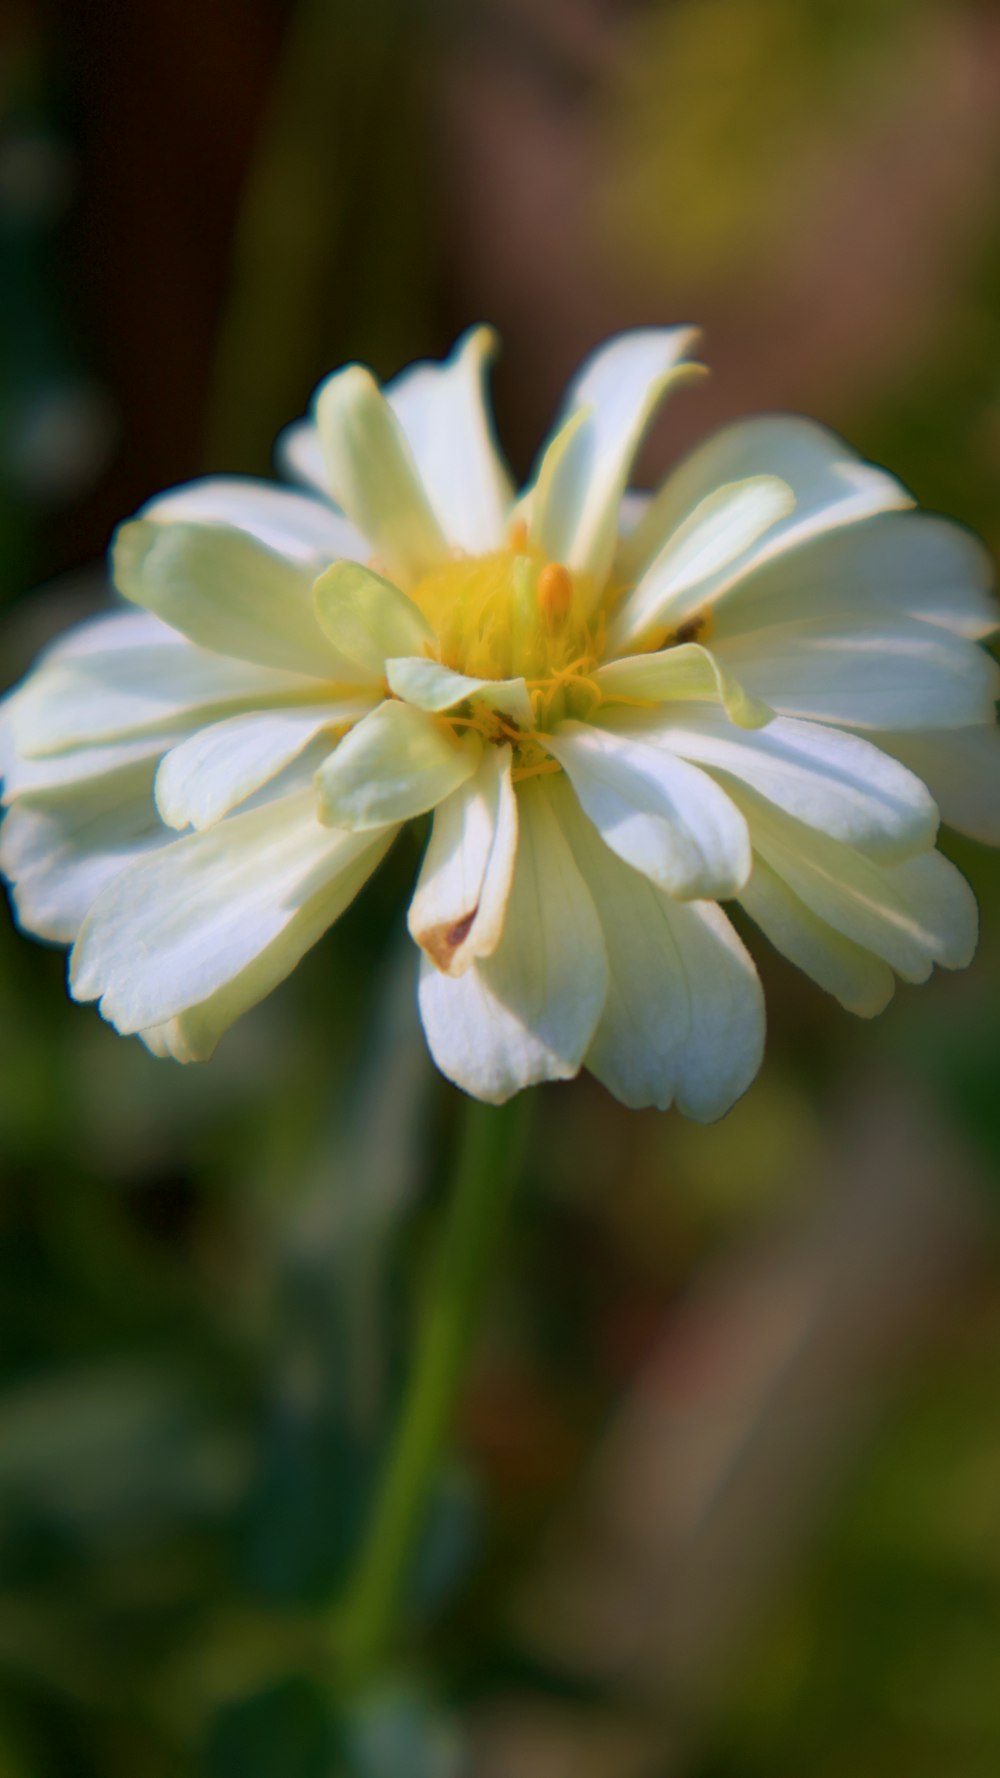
[528, 1012]
[683, 1022]
[912, 915]
[367, 618]
[213, 771]
[662, 816]
[585, 468]
[831, 487]
[458, 910]
[228, 912]
[435, 688]
[398, 762]
[306, 530]
[895, 674]
[129, 677]
[444, 412]
[961, 768]
[61, 849]
[712, 546]
[860, 980]
[832, 781]
[677, 674]
[226, 591]
[373, 476]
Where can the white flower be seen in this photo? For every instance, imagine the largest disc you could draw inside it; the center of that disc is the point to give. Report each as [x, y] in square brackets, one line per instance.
[618, 721]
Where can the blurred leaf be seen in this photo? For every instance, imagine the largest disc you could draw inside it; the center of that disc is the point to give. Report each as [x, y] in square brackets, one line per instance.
[400, 1732]
[284, 1732]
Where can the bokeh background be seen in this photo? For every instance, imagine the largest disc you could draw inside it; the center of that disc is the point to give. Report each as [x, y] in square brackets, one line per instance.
[725, 1496]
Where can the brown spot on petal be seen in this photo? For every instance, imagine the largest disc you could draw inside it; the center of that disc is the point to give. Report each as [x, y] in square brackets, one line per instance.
[441, 942]
[460, 931]
[697, 629]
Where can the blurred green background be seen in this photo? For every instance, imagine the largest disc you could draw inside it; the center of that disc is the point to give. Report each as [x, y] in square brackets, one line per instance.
[725, 1499]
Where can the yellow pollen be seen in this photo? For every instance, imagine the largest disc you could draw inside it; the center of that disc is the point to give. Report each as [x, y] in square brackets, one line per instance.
[555, 594]
[509, 614]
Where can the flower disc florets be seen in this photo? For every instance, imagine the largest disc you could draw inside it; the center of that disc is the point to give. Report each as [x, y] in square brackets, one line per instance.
[511, 614]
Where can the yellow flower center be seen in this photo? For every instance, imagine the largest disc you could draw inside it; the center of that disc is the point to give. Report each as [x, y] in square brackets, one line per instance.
[512, 614]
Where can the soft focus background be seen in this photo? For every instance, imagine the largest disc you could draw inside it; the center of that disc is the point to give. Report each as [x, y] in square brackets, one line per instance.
[726, 1497]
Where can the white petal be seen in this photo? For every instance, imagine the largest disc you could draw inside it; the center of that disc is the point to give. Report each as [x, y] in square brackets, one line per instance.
[585, 468]
[830, 780]
[397, 763]
[367, 618]
[105, 632]
[157, 1040]
[458, 909]
[683, 672]
[305, 530]
[299, 455]
[831, 484]
[528, 1012]
[896, 564]
[133, 676]
[913, 914]
[961, 768]
[213, 771]
[662, 816]
[635, 503]
[373, 476]
[433, 687]
[8, 746]
[856, 977]
[443, 410]
[60, 853]
[192, 1035]
[684, 1016]
[899, 674]
[227, 592]
[945, 904]
[707, 551]
[39, 781]
[231, 910]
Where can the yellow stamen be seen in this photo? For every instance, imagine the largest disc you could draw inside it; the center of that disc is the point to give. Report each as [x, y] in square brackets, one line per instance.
[477, 722]
[510, 614]
[542, 769]
[555, 594]
[506, 614]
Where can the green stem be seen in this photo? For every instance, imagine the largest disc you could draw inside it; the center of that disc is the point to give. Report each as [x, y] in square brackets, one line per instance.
[490, 1147]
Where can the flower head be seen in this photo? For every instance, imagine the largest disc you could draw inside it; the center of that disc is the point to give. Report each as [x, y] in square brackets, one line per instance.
[761, 683]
